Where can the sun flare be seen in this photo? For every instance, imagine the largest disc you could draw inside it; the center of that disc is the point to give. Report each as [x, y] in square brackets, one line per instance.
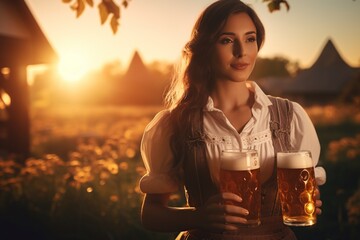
[73, 67]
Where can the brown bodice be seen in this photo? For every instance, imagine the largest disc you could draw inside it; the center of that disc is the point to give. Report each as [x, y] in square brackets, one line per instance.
[198, 182]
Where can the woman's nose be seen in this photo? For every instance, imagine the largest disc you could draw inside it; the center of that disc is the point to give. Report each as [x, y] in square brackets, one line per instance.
[238, 50]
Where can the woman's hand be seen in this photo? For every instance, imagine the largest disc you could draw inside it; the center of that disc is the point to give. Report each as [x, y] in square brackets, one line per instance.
[220, 213]
[318, 202]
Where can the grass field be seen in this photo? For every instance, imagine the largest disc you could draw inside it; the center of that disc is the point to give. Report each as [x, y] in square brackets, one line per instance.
[82, 181]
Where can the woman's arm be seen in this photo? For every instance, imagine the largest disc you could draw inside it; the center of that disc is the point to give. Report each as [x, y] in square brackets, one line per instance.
[304, 137]
[303, 134]
[157, 216]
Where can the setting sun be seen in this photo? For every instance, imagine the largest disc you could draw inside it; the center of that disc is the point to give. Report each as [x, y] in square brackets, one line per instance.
[72, 67]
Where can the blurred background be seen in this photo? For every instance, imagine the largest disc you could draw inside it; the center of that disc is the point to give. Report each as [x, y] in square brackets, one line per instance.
[80, 80]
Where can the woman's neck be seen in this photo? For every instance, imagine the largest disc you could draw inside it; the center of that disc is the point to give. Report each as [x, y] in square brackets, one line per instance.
[230, 96]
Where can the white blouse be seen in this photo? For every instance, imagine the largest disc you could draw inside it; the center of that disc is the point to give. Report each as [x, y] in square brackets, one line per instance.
[163, 175]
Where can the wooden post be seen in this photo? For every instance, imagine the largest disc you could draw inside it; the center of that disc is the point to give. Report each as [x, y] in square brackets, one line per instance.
[18, 127]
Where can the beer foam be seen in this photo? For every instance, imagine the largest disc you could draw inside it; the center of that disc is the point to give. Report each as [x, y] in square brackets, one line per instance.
[239, 161]
[293, 160]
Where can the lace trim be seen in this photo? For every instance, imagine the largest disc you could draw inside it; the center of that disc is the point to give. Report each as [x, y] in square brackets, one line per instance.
[255, 139]
[246, 141]
[214, 139]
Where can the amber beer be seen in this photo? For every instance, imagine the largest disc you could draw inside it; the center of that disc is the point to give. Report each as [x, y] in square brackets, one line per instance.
[240, 174]
[296, 181]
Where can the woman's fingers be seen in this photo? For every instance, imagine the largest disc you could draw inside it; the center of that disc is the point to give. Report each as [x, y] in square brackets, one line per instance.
[229, 204]
[231, 197]
[223, 213]
[230, 219]
[235, 210]
[317, 193]
[220, 202]
[226, 196]
[226, 221]
[318, 204]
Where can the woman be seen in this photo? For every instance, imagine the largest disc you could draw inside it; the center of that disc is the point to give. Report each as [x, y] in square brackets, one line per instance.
[212, 107]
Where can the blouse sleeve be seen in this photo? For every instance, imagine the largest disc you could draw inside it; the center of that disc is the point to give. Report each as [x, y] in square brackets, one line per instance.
[303, 137]
[162, 173]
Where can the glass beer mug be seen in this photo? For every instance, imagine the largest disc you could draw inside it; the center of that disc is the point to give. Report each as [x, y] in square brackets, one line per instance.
[240, 174]
[296, 181]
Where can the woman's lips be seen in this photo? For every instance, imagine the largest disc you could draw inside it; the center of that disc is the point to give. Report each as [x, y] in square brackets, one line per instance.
[239, 66]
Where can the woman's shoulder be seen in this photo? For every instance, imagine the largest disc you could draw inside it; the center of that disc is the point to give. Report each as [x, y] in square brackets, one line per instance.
[161, 120]
[300, 115]
[298, 109]
[157, 132]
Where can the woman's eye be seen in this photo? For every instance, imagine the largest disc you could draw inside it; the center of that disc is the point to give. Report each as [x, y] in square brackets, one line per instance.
[226, 41]
[251, 39]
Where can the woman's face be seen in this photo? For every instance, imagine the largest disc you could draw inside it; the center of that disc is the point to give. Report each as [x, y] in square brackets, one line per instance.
[235, 49]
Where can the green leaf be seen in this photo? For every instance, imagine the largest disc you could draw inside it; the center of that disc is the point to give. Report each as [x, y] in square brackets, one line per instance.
[114, 23]
[104, 14]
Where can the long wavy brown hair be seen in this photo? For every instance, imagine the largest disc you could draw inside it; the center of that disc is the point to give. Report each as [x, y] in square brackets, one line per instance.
[193, 80]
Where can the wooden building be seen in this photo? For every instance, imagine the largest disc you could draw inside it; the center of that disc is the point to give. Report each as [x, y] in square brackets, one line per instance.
[22, 43]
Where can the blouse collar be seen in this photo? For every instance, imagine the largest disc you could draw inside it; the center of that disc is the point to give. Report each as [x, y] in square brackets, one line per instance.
[261, 99]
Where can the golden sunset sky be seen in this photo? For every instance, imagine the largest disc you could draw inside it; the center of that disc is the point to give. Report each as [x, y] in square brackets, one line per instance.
[158, 29]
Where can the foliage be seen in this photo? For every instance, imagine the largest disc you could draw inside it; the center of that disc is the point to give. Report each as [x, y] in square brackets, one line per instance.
[84, 185]
[338, 128]
[344, 148]
[275, 5]
[351, 92]
[93, 193]
[341, 153]
[271, 67]
[108, 7]
[353, 208]
[334, 114]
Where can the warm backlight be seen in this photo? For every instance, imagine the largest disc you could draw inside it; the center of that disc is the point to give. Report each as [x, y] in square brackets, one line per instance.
[73, 67]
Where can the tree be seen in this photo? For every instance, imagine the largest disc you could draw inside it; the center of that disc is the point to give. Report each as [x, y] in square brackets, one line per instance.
[113, 7]
[275, 5]
[351, 92]
[271, 67]
[106, 8]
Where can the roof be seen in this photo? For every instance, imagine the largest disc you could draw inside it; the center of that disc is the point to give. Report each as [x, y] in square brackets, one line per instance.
[21, 38]
[328, 74]
[137, 71]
